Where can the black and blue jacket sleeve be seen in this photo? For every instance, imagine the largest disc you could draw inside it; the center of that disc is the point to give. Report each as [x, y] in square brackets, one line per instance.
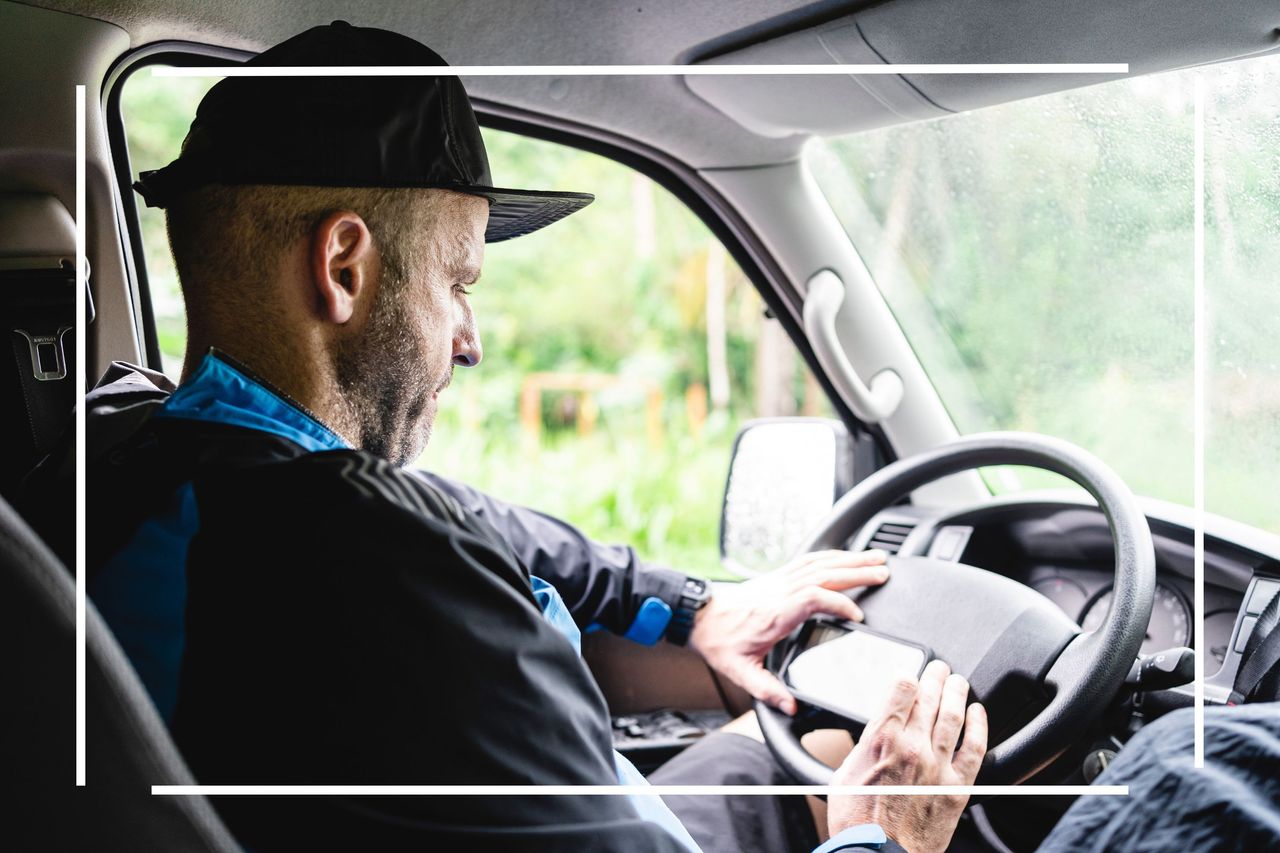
[605, 585]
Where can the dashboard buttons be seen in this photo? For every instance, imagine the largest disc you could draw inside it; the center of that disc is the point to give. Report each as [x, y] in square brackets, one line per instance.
[1263, 591]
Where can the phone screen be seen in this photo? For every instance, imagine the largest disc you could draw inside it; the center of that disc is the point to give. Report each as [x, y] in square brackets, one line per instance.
[852, 670]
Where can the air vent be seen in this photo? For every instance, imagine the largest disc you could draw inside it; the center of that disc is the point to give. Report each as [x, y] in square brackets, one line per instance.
[889, 537]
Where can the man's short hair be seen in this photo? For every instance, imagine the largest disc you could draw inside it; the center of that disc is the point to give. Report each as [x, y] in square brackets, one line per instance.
[228, 240]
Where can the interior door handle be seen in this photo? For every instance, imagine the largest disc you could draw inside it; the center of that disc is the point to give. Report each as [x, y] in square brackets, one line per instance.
[873, 403]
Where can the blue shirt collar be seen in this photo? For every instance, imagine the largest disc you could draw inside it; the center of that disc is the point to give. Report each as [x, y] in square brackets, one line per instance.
[221, 392]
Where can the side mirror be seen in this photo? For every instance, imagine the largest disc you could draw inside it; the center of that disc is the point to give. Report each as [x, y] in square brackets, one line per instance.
[784, 477]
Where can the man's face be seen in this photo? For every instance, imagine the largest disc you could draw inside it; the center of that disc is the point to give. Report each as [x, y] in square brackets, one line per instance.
[420, 327]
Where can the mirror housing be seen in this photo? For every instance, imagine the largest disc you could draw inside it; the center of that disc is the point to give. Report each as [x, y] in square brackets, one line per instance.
[785, 474]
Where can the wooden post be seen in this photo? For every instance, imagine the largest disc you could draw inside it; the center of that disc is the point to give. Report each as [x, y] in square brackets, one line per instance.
[717, 346]
[813, 395]
[653, 416]
[695, 405]
[588, 413]
[531, 409]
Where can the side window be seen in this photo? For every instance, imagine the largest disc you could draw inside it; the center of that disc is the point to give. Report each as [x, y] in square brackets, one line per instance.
[623, 347]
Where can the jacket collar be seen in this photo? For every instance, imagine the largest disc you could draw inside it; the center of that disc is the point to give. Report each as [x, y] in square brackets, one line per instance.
[222, 391]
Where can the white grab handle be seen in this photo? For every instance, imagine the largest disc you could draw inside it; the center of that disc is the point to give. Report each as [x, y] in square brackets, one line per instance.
[822, 301]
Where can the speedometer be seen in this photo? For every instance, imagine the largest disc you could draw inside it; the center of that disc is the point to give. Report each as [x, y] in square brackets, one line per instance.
[1170, 623]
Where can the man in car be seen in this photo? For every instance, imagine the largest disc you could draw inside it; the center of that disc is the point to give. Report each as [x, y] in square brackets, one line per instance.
[304, 610]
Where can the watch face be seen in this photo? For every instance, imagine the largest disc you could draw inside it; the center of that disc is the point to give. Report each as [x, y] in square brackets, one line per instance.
[696, 593]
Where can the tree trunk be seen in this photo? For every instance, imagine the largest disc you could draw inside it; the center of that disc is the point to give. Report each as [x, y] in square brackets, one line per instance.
[775, 371]
[717, 350]
[642, 216]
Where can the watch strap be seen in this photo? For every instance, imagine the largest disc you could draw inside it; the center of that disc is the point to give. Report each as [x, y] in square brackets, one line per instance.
[694, 596]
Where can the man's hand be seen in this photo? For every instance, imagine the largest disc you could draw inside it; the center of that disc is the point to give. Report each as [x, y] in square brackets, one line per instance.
[741, 624]
[914, 743]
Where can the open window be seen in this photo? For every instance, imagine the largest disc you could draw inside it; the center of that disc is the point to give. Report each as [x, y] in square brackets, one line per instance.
[623, 348]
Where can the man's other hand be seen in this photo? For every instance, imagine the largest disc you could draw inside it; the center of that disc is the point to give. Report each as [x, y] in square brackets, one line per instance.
[914, 743]
[740, 624]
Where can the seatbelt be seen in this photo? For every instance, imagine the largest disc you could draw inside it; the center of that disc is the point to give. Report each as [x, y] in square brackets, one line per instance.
[1261, 656]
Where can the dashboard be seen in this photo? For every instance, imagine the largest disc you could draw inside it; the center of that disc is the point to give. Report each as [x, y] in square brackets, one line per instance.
[1085, 596]
[1059, 544]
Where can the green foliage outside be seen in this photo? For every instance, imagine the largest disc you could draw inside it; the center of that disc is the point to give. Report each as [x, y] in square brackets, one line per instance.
[1039, 256]
[1242, 257]
[157, 112]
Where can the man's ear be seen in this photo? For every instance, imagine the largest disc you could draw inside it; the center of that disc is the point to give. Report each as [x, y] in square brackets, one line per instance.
[344, 265]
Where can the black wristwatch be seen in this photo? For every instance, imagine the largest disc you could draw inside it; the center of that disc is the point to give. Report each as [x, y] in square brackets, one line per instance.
[693, 597]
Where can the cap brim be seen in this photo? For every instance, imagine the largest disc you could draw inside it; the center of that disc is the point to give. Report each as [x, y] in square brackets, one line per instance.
[514, 213]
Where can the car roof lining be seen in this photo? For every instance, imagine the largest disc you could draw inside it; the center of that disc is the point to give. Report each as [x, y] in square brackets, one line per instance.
[716, 126]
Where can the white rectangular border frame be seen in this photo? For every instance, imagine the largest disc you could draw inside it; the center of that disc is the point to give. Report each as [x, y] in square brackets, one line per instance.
[550, 790]
[632, 790]
[1199, 360]
[78, 372]
[634, 70]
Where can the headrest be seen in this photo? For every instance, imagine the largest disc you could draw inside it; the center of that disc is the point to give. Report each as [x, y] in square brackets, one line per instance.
[36, 232]
[38, 242]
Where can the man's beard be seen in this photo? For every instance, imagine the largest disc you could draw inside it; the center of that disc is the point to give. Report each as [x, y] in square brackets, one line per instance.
[385, 380]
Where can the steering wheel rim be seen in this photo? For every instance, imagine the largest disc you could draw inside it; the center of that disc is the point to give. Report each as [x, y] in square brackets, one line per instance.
[1083, 675]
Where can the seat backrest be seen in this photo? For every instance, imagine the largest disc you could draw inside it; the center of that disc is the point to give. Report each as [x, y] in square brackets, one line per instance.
[127, 747]
[37, 321]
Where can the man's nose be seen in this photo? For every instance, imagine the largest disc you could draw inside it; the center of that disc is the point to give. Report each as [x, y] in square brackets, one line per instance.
[467, 351]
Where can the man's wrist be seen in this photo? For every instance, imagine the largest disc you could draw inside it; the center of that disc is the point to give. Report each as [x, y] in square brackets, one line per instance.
[693, 597]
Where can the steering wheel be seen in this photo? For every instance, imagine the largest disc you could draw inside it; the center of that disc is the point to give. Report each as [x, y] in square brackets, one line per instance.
[1040, 678]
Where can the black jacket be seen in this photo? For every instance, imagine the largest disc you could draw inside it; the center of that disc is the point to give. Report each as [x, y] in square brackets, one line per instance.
[348, 622]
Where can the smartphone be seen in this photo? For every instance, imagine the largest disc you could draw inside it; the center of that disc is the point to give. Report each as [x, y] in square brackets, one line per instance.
[850, 669]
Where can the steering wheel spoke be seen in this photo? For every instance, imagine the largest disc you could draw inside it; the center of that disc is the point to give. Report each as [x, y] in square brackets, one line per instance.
[1071, 666]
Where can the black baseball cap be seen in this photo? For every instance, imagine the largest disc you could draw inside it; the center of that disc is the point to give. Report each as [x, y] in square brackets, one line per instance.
[349, 131]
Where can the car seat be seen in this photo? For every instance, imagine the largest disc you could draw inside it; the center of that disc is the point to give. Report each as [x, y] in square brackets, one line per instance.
[128, 747]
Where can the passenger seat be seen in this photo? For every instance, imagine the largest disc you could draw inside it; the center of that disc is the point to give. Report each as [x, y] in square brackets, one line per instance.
[128, 747]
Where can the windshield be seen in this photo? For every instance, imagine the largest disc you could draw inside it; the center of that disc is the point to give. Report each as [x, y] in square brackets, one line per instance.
[1039, 257]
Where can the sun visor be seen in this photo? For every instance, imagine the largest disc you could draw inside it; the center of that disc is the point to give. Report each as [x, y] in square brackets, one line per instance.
[1149, 35]
[783, 105]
